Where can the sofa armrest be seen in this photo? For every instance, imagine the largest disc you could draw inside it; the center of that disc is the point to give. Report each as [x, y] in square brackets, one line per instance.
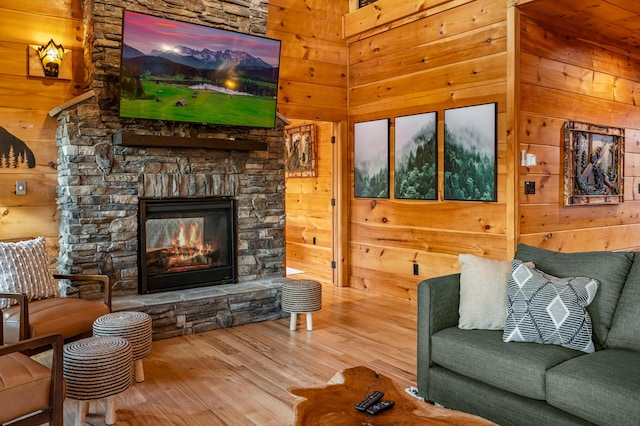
[438, 304]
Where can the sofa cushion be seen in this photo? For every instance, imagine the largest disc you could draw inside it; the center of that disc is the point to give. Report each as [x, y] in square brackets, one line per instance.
[610, 269]
[24, 268]
[602, 387]
[625, 327]
[482, 355]
[483, 292]
[550, 310]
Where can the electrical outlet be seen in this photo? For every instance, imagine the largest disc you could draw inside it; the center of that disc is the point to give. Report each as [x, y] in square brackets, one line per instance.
[529, 187]
[21, 187]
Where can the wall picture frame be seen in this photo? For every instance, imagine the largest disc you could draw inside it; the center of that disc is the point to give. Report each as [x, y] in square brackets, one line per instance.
[594, 164]
[470, 153]
[300, 151]
[371, 159]
[416, 157]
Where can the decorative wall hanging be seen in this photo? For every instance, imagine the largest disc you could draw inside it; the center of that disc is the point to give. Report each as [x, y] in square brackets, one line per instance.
[594, 164]
[14, 153]
[363, 3]
[416, 156]
[371, 159]
[470, 160]
[300, 151]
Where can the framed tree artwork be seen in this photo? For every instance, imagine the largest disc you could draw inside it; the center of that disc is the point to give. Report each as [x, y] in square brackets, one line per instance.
[470, 160]
[594, 164]
[416, 157]
[300, 151]
[371, 159]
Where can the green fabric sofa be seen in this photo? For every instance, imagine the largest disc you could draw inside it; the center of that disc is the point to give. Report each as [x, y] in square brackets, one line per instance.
[520, 383]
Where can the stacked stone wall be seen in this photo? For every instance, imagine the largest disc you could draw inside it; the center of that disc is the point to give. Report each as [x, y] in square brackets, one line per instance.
[100, 182]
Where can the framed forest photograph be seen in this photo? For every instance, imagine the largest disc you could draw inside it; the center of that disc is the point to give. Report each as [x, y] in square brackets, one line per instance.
[371, 159]
[300, 151]
[416, 157]
[470, 160]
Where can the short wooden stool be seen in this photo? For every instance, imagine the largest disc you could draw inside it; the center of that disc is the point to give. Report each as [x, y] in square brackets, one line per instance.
[97, 368]
[301, 296]
[136, 327]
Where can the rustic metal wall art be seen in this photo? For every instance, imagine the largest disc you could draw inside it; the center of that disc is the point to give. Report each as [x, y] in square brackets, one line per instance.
[300, 151]
[594, 164]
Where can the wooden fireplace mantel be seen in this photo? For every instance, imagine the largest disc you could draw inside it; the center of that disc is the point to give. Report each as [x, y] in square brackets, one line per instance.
[128, 139]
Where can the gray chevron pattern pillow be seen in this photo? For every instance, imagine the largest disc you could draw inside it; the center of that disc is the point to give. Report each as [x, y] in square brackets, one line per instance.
[550, 310]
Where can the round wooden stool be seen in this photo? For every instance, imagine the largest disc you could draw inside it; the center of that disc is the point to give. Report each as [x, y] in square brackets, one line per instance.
[136, 327]
[97, 368]
[301, 296]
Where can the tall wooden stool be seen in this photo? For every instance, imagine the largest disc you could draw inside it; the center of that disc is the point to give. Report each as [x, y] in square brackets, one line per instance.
[136, 327]
[97, 368]
[301, 297]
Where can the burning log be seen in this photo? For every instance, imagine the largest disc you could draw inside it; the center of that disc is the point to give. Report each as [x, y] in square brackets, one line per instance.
[174, 259]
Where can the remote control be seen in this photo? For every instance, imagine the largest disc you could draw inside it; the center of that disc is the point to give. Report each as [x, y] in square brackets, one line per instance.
[380, 406]
[369, 400]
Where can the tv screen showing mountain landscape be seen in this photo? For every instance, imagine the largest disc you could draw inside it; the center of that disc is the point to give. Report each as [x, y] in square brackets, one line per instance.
[177, 71]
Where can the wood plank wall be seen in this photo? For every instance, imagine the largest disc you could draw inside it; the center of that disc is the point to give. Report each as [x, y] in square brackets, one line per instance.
[313, 64]
[313, 89]
[308, 209]
[564, 78]
[24, 105]
[432, 56]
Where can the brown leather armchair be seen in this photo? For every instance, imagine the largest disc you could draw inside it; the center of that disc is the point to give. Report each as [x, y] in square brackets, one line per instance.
[28, 388]
[71, 317]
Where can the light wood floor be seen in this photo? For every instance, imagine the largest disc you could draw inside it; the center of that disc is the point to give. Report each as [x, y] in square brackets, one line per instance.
[240, 375]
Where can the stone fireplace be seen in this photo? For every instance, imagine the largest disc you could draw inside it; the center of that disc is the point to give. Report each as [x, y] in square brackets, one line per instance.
[102, 182]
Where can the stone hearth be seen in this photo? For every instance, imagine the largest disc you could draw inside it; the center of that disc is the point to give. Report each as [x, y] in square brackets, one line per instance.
[208, 308]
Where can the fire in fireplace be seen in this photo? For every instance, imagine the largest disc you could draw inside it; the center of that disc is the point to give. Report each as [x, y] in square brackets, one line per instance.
[186, 243]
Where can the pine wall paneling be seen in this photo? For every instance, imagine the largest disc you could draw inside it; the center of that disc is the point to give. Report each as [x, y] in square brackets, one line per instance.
[24, 106]
[447, 55]
[313, 89]
[308, 209]
[564, 78]
[313, 69]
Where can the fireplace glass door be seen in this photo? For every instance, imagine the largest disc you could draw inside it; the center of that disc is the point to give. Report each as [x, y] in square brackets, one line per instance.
[186, 243]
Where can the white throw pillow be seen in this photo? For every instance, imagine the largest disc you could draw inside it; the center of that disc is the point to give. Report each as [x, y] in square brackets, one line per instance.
[483, 292]
[24, 268]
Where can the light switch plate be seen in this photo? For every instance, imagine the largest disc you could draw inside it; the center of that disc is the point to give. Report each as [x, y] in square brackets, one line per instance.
[529, 187]
[21, 187]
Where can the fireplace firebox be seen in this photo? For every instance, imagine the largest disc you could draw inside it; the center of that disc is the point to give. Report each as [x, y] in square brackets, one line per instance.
[186, 243]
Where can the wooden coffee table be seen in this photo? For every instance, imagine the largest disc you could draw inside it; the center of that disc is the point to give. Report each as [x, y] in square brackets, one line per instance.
[333, 404]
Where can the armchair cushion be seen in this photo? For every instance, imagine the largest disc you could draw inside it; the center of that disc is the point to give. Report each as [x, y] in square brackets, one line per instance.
[24, 268]
[67, 316]
[30, 390]
[24, 386]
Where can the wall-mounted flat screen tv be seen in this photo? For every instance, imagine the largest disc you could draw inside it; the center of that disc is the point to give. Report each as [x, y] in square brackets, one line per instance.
[178, 71]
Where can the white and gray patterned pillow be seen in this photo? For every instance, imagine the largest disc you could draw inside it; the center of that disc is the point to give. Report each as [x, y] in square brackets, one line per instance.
[24, 268]
[546, 309]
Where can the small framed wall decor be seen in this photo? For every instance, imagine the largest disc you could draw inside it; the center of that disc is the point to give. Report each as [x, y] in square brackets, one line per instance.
[470, 160]
[594, 164]
[300, 151]
[371, 159]
[416, 157]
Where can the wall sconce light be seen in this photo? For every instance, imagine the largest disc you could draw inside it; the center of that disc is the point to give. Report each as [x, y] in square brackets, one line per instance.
[47, 61]
[50, 56]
